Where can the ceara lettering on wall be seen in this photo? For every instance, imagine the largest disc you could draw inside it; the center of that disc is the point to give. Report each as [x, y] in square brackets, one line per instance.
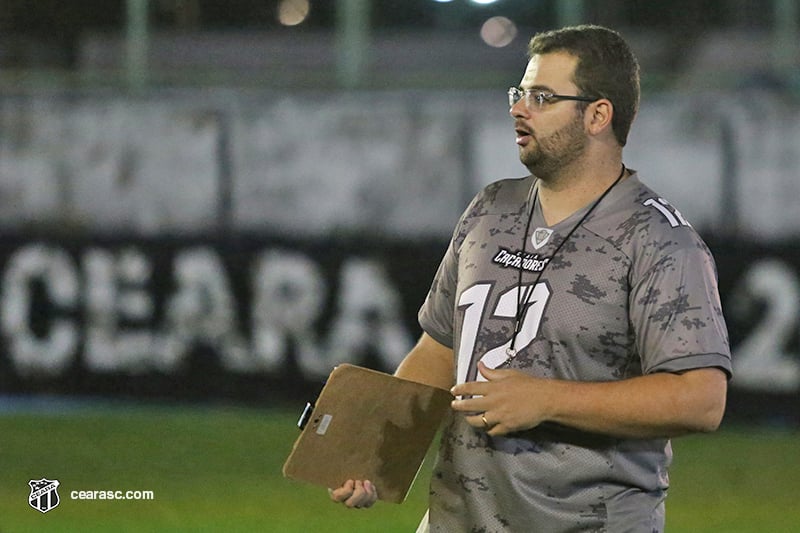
[127, 310]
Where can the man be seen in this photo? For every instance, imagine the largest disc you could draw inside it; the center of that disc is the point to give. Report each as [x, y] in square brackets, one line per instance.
[577, 314]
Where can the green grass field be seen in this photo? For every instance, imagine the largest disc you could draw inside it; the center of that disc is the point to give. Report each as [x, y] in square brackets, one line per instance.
[219, 469]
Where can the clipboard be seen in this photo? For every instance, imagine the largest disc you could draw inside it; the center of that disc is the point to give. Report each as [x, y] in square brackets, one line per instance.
[368, 425]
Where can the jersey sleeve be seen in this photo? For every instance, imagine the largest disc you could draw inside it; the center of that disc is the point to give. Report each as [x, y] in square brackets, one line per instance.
[677, 316]
[436, 314]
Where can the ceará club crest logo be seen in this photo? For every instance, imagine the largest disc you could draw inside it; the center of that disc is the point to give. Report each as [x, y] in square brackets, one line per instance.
[44, 494]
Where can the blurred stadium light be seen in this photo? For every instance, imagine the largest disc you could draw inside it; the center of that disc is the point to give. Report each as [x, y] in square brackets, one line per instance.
[293, 12]
[498, 31]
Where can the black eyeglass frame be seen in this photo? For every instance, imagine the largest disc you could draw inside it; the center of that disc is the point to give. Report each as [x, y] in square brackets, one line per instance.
[515, 94]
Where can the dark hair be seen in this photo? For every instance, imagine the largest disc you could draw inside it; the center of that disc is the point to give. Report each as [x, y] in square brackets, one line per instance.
[606, 68]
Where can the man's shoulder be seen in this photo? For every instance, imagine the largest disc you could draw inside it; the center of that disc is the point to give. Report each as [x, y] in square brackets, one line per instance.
[502, 198]
[502, 195]
[639, 218]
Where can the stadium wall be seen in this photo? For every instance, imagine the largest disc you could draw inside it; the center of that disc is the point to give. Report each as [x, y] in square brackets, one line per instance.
[236, 246]
[265, 320]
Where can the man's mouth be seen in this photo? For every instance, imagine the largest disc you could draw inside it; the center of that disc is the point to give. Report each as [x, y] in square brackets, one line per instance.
[523, 136]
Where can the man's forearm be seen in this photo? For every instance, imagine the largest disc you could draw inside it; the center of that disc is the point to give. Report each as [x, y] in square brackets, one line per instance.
[428, 362]
[657, 405]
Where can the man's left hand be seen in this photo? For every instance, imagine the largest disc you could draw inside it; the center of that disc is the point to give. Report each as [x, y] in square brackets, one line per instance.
[507, 402]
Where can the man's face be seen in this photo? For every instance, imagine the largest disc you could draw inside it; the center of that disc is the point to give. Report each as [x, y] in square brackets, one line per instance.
[553, 135]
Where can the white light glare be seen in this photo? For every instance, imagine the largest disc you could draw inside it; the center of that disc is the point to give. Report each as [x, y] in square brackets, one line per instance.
[484, 2]
[498, 32]
[293, 12]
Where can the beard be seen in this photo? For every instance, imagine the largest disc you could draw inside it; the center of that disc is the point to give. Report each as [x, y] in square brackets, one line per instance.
[544, 157]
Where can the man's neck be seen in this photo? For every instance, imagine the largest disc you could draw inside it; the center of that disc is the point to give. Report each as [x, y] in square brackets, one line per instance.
[575, 187]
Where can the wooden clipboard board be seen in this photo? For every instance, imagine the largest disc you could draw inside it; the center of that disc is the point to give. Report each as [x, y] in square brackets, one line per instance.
[368, 425]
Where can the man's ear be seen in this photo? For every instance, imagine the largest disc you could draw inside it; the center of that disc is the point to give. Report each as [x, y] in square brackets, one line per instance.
[598, 116]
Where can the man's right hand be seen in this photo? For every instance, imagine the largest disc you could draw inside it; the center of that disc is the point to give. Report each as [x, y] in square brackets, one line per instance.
[355, 494]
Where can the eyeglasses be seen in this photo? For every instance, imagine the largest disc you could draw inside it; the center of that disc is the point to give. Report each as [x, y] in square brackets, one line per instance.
[536, 98]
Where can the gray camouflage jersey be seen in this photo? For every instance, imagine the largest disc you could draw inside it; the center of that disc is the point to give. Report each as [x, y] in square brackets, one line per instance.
[632, 292]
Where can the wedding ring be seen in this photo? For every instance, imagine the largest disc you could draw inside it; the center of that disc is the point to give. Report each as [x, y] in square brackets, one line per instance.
[485, 423]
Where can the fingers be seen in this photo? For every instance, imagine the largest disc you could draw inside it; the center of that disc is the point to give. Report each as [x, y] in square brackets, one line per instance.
[482, 421]
[485, 422]
[479, 421]
[490, 373]
[471, 390]
[342, 493]
[355, 494]
[470, 405]
[365, 495]
[476, 388]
